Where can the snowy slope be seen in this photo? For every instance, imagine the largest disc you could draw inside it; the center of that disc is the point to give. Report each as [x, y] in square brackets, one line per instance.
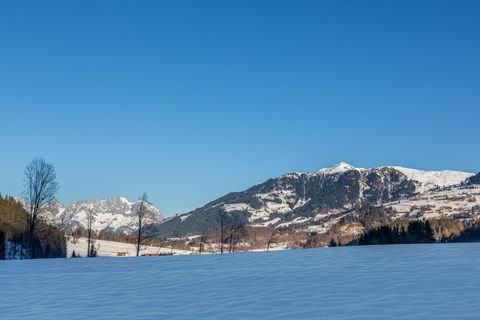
[427, 179]
[431, 179]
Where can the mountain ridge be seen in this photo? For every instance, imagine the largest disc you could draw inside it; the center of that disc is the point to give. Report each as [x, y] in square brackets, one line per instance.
[313, 199]
[115, 214]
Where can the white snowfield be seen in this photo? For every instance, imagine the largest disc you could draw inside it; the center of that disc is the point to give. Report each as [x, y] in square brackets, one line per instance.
[427, 281]
[117, 249]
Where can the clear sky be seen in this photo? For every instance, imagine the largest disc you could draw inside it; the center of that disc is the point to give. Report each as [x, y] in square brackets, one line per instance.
[189, 100]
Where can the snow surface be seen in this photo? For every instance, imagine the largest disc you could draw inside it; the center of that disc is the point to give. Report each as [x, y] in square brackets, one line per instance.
[112, 248]
[436, 281]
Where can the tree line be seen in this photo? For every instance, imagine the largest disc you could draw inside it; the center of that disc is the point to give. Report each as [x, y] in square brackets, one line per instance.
[47, 241]
[416, 231]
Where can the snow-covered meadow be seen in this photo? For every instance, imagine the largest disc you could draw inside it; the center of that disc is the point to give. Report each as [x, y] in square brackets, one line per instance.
[114, 249]
[437, 281]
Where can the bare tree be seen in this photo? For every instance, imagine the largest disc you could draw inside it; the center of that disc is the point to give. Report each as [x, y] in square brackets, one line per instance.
[40, 189]
[236, 231]
[222, 219]
[140, 222]
[76, 234]
[203, 239]
[271, 239]
[91, 217]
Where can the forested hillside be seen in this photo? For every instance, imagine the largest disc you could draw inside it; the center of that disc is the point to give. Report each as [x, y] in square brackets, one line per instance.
[316, 201]
[48, 241]
[475, 179]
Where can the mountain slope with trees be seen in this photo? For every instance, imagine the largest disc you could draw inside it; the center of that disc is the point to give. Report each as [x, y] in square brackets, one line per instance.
[48, 241]
[313, 201]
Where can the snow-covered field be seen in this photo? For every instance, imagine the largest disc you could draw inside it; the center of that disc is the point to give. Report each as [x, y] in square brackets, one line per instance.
[114, 249]
[437, 281]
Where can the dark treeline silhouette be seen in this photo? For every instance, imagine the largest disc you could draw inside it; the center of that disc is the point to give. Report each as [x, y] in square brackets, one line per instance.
[2, 247]
[475, 179]
[102, 235]
[366, 218]
[416, 231]
[47, 241]
[469, 234]
[114, 236]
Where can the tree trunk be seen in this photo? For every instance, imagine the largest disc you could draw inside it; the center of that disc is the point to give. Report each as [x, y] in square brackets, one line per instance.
[139, 239]
[31, 239]
[221, 236]
[89, 234]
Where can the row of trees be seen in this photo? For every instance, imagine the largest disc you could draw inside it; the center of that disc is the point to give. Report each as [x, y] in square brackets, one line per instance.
[416, 231]
[232, 230]
[470, 234]
[233, 233]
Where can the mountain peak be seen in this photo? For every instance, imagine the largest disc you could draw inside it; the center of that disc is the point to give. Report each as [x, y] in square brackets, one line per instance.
[338, 168]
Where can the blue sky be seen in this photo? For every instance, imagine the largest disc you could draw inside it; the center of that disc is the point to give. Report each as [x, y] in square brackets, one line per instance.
[189, 100]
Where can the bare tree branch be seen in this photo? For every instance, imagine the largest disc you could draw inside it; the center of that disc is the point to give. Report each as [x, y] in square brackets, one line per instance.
[140, 221]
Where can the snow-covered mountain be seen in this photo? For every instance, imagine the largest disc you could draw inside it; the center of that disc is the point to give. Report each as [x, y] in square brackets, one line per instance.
[431, 179]
[425, 180]
[114, 214]
[338, 168]
[314, 200]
